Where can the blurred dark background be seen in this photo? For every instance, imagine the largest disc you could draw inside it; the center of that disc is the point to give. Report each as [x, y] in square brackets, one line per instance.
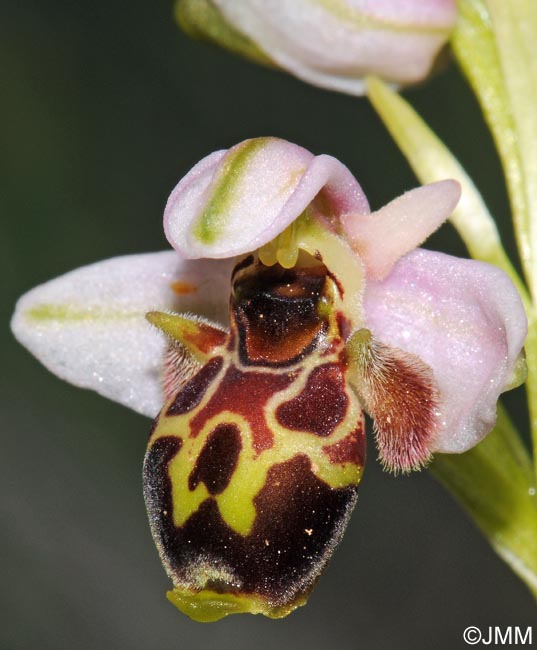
[104, 106]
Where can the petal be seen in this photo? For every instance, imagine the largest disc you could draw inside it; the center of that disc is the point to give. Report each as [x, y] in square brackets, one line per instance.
[466, 321]
[334, 43]
[88, 326]
[234, 203]
[384, 236]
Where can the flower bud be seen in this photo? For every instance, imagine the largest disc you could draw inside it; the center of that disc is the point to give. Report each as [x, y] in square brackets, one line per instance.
[329, 43]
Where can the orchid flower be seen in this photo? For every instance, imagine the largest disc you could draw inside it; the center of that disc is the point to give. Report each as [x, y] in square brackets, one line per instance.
[329, 43]
[254, 460]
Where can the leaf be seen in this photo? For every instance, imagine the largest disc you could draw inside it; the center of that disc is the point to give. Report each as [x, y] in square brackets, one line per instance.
[494, 483]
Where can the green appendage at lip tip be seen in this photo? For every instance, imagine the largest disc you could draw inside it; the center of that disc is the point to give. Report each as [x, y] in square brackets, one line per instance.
[209, 225]
[208, 606]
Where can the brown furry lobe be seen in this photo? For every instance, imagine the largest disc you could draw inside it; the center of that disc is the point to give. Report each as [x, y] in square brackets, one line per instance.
[178, 368]
[398, 391]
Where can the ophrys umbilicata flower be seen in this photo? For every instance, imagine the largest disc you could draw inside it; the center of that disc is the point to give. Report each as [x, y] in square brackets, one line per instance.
[317, 309]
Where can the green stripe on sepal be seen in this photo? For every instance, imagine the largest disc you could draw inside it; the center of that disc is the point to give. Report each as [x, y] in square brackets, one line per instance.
[211, 224]
[360, 20]
[200, 19]
[63, 313]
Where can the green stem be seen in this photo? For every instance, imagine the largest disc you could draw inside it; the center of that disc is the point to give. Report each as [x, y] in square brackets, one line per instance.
[494, 482]
[432, 161]
[476, 51]
[495, 44]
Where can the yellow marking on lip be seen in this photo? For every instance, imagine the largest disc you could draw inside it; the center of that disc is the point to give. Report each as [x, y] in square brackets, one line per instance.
[236, 502]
